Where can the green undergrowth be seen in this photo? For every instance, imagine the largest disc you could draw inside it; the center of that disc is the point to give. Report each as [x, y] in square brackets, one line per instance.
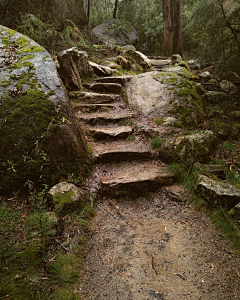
[41, 250]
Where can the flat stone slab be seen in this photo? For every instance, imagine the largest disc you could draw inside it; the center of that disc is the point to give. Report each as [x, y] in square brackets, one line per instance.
[137, 178]
[105, 116]
[121, 151]
[111, 132]
[160, 62]
[87, 97]
[85, 107]
[101, 87]
[115, 79]
[218, 191]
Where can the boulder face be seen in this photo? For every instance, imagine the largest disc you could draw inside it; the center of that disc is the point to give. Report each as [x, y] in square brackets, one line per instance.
[34, 108]
[116, 32]
[197, 146]
[166, 94]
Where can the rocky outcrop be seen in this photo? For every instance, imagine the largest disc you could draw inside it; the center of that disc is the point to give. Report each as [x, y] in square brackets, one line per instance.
[74, 66]
[116, 32]
[195, 147]
[100, 70]
[35, 109]
[217, 192]
[140, 58]
[166, 94]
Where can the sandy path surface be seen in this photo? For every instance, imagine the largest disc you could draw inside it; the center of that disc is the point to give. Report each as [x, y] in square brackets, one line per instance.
[154, 248]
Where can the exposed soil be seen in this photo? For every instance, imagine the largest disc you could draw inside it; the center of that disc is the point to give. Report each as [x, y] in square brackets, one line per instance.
[155, 248]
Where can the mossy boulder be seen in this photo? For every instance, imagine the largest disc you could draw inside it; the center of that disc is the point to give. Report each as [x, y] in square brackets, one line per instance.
[194, 147]
[166, 94]
[116, 32]
[32, 103]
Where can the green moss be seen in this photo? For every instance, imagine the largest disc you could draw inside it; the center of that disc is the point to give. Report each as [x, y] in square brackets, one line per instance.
[27, 57]
[19, 65]
[185, 65]
[31, 49]
[61, 200]
[158, 121]
[22, 42]
[5, 83]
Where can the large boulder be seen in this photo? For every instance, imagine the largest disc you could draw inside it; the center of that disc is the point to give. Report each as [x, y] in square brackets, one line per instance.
[166, 94]
[116, 32]
[38, 133]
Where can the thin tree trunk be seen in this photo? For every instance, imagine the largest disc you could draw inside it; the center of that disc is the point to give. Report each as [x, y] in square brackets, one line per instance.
[115, 9]
[172, 27]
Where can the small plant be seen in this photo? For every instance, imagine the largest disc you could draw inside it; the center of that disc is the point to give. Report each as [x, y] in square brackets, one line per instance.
[122, 123]
[229, 146]
[158, 121]
[130, 123]
[130, 138]
[156, 143]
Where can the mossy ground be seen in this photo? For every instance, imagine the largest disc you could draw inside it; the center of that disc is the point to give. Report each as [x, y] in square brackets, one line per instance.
[39, 259]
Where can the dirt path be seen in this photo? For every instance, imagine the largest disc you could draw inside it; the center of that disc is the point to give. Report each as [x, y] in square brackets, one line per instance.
[154, 248]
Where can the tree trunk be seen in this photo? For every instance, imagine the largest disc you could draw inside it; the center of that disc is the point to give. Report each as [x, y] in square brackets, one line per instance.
[172, 27]
[115, 9]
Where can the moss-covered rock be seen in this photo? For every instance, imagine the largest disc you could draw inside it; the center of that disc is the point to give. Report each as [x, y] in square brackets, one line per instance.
[167, 94]
[195, 147]
[32, 102]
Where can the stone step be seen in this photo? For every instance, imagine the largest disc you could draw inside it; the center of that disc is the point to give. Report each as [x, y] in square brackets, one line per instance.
[119, 132]
[121, 151]
[90, 98]
[100, 87]
[104, 117]
[85, 107]
[135, 179]
[160, 62]
[115, 79]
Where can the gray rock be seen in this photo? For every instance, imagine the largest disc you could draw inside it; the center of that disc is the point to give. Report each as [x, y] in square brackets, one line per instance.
[217, 170]
[228, 87]
[217, 192]
[74, 66]
[165, 94]
[123, 62]
[176, 193]
[160, 63]
[30, 87]
[101, 70]
[140, 58]
[116, 32]
[176, 58]
[205, 76]
[215, 97]
[105, 116]
[193, 64]
[64, 187]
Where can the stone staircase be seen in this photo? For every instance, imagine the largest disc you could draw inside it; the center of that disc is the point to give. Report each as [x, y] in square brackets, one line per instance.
[158, 63]
[124, 164]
